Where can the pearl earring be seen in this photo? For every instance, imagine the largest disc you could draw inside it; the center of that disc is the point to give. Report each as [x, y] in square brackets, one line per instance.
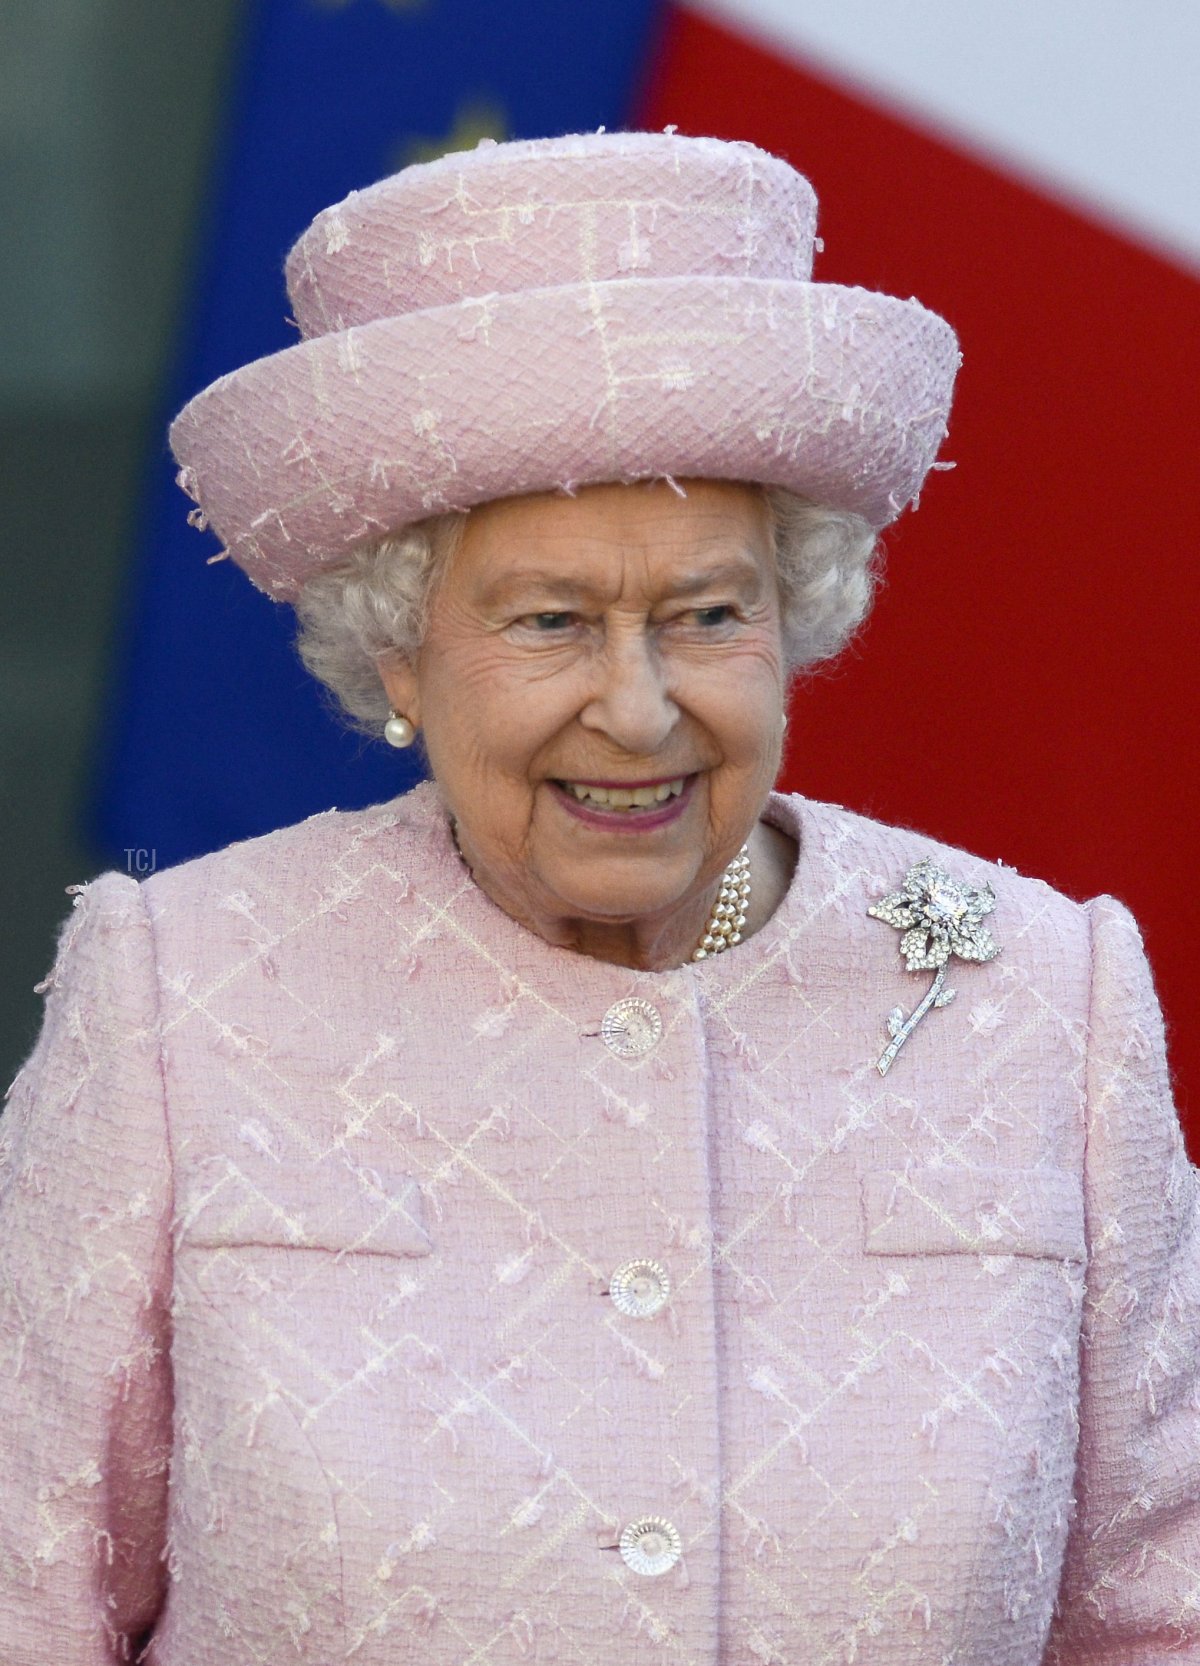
[398, 731]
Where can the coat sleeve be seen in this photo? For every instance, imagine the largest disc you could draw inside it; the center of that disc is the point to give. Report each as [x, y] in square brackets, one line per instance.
[1130, 1591]
[85, 1385]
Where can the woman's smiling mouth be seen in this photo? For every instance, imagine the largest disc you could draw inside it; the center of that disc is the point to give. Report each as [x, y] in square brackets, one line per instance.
[634, 796]
[641, 804]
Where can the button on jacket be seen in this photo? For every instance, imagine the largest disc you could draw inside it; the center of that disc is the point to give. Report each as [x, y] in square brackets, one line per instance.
[359, 1301]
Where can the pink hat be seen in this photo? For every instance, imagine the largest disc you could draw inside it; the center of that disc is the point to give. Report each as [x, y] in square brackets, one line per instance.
[556, 312]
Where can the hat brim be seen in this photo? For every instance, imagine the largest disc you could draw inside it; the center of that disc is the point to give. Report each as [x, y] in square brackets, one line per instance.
[839, 394]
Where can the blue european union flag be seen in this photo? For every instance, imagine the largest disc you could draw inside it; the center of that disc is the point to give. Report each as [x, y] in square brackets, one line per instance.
[215, 731]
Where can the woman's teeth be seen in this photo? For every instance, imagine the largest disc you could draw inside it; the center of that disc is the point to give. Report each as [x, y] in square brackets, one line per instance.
[626, 798]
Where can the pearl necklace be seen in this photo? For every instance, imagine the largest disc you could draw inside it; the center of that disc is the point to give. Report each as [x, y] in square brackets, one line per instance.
[724, 927]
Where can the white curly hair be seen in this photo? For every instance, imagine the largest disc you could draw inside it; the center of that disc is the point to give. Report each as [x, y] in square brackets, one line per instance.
[376, 601]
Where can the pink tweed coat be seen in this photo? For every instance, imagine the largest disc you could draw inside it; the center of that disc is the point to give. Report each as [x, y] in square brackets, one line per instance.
[312, 1194]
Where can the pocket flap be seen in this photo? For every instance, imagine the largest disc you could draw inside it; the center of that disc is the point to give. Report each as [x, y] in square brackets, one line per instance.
[928, 1210]
[341, 1207]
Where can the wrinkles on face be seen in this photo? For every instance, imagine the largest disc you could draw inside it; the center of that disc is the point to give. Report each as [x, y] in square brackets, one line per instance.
[625, 635]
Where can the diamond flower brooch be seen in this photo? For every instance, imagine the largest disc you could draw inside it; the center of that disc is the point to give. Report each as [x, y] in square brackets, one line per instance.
[939, 917]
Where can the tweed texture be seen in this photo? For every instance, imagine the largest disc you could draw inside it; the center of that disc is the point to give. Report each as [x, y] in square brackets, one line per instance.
[550, 313]
[313, 1187]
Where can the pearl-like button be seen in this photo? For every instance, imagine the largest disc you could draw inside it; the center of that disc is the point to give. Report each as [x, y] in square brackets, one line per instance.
[640, 1289]
[630, 1028]
[651, 1545]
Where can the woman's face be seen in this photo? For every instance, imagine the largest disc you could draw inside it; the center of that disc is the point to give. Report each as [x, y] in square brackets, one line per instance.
[581, 650]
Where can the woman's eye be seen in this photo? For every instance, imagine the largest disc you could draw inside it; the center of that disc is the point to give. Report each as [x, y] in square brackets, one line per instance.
[548, 622]
[710, 616]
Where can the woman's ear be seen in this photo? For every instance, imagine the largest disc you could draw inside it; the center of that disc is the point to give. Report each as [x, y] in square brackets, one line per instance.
[399, 680]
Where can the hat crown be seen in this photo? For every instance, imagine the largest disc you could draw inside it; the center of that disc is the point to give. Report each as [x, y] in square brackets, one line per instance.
[538, 213]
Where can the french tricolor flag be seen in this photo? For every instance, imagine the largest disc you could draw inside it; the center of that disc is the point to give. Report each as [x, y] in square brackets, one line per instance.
[1027, 168]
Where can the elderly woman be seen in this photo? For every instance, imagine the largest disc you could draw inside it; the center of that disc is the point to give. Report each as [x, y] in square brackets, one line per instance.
[553, 1216]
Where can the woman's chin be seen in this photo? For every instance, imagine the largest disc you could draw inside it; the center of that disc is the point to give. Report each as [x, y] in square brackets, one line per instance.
[589, 900]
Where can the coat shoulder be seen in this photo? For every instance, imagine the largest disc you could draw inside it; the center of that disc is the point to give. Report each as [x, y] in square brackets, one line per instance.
[299, 865]
[872, 858]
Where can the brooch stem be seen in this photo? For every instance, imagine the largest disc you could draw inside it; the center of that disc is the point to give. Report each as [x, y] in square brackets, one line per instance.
[904, 1027]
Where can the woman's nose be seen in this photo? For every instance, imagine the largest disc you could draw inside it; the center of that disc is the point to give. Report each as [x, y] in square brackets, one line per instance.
[631, 702]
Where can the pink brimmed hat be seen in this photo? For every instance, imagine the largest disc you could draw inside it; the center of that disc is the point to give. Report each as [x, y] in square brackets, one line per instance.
[548, 314]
